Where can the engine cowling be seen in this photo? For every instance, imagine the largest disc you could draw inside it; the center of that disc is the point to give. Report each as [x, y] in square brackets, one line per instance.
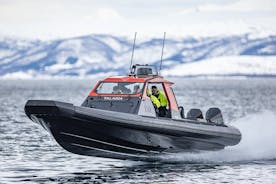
[194, 114]
[214, 115]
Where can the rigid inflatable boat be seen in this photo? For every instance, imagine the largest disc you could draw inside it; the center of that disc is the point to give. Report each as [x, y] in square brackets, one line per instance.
[118, 120]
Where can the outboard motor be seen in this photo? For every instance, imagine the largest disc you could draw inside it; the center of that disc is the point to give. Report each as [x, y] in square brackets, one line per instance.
[214, 115]
[194, 114]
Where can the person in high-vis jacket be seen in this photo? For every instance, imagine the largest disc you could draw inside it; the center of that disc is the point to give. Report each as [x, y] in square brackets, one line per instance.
[162, 99]
[159, 100]
[154, 100]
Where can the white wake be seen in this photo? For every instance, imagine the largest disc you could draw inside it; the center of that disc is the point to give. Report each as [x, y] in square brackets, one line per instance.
[258, 142]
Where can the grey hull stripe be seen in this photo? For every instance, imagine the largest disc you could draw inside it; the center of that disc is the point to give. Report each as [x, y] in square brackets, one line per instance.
[110, 144]
[107, 151]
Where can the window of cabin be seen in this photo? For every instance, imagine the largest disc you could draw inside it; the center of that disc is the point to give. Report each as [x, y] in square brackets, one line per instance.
[120, 88]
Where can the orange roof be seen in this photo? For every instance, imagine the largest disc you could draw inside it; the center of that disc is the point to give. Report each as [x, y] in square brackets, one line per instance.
[135, 79]
[124, 79]
[160, 79]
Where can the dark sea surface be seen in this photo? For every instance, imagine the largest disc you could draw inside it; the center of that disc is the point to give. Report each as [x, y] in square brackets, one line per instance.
[28, 154]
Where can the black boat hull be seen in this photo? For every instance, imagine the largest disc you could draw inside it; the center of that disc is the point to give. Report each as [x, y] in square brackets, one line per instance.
[94, 132]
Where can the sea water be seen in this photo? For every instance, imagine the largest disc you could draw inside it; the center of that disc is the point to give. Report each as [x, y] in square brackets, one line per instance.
[28, 154]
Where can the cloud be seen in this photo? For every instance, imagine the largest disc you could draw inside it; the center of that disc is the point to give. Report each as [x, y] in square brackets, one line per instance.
[240, 6]
[108, 14]
[66, 18]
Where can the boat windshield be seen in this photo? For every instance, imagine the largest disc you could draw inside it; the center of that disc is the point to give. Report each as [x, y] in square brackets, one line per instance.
[120, 88]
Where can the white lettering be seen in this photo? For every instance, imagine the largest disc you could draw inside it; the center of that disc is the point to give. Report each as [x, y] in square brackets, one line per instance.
[113, 98]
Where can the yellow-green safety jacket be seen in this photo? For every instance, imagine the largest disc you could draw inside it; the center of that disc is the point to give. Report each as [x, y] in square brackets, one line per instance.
[162, 98]
[155, 101]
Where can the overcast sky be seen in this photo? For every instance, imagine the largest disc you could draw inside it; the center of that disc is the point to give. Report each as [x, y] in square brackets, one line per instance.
[49, 19]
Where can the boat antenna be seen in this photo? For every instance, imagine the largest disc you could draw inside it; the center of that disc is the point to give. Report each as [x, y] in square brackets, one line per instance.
[161, 60]
[132, 52]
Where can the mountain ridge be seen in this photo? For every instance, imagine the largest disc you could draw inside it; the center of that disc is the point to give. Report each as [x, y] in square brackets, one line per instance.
[96, 55]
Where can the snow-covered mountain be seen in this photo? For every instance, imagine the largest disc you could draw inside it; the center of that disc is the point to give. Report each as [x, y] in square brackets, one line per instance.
[102, 55]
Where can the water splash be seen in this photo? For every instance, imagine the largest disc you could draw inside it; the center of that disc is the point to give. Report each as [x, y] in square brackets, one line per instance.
[258, 143]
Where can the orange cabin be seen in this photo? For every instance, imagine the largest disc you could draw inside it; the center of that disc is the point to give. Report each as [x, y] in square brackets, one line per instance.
[128, 93]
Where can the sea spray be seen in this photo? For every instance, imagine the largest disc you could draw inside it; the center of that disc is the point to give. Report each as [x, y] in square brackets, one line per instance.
[258, 143]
